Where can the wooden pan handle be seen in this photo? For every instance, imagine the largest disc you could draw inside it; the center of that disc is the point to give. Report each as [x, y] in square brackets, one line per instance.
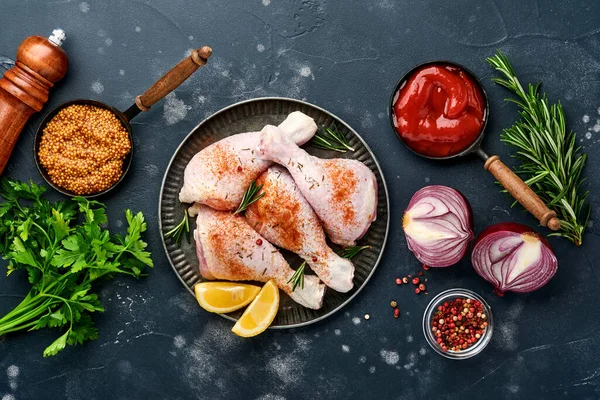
[522, 193]
[172, 79]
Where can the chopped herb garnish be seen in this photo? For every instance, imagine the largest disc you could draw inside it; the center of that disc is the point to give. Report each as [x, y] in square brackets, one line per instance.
[298, 278]
[182, 229]
[331, 139]
[252, 195]
[351, 251]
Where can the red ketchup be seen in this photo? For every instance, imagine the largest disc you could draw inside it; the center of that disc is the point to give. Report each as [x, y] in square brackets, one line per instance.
[439, 110]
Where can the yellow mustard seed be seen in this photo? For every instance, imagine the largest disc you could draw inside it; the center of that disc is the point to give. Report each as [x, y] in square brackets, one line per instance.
[83, 148]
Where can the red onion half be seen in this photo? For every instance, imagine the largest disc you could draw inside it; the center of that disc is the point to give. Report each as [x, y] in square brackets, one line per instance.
[438, 225]
[513, 257]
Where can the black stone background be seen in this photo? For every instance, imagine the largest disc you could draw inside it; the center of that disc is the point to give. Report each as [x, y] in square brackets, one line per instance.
[155, 343]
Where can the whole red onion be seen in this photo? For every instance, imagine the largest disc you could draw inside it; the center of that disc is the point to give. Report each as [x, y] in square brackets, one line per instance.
[513, 257]
[438, 225]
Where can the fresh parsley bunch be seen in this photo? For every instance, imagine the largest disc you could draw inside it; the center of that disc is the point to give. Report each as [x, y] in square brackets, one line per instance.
[65, 249]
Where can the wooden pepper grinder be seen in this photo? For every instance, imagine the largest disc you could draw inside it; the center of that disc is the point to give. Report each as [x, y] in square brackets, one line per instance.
[25, 87]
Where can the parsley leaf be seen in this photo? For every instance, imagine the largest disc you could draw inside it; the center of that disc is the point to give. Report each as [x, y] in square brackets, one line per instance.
[64, 248]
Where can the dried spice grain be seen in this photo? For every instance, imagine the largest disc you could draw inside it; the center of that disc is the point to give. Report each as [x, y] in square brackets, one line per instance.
[83, 148]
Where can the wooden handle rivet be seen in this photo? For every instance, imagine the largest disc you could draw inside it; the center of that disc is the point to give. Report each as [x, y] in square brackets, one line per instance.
[141, 106]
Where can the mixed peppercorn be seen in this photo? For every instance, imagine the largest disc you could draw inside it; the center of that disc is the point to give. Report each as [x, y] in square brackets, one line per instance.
[458, 324]
[416, 281]
[419, 285]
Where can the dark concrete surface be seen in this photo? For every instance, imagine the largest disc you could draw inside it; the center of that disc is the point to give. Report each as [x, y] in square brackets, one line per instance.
[156, 343]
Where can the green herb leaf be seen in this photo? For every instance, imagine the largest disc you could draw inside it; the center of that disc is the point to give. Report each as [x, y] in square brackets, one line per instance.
[65, 248]
[58, 345]
[351, 251]
[551, 164]
[182, 229]
[331, 139]
[298, 278]
[252, 195]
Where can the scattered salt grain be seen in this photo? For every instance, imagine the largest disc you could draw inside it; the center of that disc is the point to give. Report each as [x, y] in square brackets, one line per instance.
[390, 357]
[305, 71]
[174, 109]
[179, 341]
[12, 371]
[97, 87]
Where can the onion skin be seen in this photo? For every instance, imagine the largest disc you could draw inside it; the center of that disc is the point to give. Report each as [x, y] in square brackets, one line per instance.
[513, 257]
[438, 225]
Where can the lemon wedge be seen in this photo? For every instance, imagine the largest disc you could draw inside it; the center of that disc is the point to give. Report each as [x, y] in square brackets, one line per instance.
[260, 313]
[224, 297]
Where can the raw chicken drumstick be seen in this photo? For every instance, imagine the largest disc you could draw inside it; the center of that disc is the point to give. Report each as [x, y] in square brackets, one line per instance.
[284, 218]
[342, 192]
[228, 248]
[219, 174]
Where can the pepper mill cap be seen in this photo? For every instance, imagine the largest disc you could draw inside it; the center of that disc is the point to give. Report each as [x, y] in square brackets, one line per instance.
[44, 56]
[58, 37]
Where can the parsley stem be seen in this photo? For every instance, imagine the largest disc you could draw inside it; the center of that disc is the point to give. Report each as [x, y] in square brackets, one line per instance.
[25, 318]
[19, 328]
[25, 306]
[65, 301]
[43, 231]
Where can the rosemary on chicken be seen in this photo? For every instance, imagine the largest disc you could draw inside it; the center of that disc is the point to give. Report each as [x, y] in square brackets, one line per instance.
[347, 252]
[252, 195]
[331, 139]
[351, 251]
[182, 229]
[298, 278]
[552, 164]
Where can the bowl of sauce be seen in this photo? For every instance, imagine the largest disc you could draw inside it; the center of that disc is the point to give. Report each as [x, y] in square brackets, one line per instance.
[439, 110]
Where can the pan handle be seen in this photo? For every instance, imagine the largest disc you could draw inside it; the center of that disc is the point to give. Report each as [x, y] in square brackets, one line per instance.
[522, 193]
[172, 79]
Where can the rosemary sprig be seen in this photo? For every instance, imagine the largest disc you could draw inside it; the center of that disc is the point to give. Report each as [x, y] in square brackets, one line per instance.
[552, 164]
[250, 196]
[348, 252]
[331, 139]
[298, 278]
[351, 251]
[178, 232]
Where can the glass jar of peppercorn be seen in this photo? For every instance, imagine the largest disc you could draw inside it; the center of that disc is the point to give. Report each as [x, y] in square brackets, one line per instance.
[458, 324]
